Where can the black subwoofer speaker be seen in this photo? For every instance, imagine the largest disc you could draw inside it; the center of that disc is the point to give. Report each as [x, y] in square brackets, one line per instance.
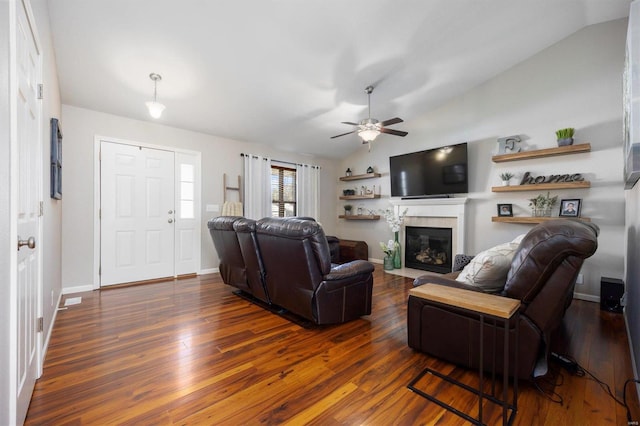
[611, 291]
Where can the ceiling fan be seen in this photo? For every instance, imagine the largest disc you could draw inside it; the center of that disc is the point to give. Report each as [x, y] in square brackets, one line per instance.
[369, 128]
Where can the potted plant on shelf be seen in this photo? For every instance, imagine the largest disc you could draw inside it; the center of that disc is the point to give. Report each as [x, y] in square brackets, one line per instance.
[542, 205]
[565, 136]
[347, 209]
[506, 177]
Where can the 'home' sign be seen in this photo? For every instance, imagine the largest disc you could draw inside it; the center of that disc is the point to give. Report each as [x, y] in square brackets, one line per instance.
[527, 179]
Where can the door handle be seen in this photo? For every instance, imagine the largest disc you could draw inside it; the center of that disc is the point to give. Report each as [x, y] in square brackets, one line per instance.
[30, 242]
[170, 221]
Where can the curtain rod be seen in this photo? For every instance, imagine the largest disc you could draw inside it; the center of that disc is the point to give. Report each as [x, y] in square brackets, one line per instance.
[281, 161]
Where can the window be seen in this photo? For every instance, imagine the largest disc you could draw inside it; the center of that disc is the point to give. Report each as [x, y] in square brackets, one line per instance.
[187, 181]
[283, 191]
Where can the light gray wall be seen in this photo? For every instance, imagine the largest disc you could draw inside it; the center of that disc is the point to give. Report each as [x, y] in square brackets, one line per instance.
[219, 155]
[52, 213]
[574, 83]
[5, 217]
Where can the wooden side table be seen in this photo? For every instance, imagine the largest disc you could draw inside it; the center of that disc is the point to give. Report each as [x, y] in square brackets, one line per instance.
[500, 310]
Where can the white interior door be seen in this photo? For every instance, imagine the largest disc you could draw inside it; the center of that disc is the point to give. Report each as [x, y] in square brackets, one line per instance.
[137, 213]
[29, 181]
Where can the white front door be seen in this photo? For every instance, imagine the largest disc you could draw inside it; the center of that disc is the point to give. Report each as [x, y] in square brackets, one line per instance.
[137, 213]
[29, 180]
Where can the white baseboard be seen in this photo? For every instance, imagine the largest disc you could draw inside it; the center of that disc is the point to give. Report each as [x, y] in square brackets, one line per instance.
[45, 344]
[587, 297]
[77, 289]
[373, 260]
[208, 271]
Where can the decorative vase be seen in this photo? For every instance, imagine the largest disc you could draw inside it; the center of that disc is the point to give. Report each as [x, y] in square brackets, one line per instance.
[397, 255]
[541, 212]
[565, 142]
[388, 263]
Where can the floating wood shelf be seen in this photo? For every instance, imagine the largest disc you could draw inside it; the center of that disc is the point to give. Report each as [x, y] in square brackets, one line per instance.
[358, 177]
[359, 197]
[542, 153]
[542, 186]
[533, 220]
[359, 217]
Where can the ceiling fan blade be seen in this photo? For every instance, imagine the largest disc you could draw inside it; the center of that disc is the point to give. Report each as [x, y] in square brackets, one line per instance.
[344, 134]
[349, 123]
[394, 132]
[392, 121]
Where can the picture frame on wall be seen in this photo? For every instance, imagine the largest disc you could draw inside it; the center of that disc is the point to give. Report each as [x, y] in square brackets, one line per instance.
[505, 210]
[570, 207]
[56, 159]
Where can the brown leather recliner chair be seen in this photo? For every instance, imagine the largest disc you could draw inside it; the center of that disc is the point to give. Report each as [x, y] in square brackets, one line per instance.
[300, 277]
[232, 266]
[542, 276]
[246, 232]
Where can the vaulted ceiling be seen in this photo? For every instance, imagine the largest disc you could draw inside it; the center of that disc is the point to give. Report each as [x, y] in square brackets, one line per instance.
[287, 72]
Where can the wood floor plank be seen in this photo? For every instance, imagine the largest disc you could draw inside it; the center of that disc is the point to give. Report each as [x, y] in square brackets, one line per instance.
[192, 352]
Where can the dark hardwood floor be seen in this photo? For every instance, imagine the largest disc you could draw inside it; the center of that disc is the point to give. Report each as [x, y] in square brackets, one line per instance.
[191, 352]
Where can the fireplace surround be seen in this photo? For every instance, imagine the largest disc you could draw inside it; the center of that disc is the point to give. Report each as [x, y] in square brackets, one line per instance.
[434, 213]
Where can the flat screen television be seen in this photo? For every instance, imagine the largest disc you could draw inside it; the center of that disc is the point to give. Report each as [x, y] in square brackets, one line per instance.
[437, 172]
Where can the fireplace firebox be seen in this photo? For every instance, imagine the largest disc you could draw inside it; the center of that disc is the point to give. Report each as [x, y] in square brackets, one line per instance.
[428, 248]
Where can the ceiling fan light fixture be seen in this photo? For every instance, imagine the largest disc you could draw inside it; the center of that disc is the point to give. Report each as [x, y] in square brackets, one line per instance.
[155, 108]
[368, 135]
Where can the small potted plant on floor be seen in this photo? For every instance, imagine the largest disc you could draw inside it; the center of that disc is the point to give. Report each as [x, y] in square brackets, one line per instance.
[565, 136]
[542, 204]
[347, 209]
[506, 178]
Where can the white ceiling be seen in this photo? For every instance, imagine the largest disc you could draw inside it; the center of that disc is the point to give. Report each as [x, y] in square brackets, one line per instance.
[287, 72]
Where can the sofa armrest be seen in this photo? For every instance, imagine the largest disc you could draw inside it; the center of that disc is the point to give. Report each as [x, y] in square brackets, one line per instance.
[448, 280]
[348, 270]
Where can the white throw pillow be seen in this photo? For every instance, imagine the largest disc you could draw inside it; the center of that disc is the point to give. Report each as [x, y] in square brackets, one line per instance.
[489, 269]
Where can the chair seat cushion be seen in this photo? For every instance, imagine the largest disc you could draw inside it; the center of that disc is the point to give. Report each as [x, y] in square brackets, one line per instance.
[488, 269]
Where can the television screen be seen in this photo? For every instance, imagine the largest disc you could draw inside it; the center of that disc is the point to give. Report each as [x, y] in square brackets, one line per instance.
[439, 171]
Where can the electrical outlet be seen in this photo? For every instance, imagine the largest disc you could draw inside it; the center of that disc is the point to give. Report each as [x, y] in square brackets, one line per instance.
[580, 280]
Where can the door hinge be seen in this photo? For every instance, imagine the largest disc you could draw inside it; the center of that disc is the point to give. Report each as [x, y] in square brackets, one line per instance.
[40, 325]
[40, 91]
[41, 209]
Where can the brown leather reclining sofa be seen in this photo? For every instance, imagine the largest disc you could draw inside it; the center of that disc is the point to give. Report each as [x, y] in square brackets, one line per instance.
[287, 262]
[542, 276]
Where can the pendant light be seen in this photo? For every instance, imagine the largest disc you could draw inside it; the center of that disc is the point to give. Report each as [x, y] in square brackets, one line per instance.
[155, 107]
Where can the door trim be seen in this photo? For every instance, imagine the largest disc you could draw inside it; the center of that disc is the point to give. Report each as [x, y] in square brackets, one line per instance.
[96, 196]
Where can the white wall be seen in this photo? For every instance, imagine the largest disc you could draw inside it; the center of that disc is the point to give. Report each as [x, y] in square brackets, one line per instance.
[574, 83]
[219, 155]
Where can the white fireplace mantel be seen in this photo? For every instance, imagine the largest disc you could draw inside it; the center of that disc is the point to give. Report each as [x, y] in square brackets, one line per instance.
[453, 208]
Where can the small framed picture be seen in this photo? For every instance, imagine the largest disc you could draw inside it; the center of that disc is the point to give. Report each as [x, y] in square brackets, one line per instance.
[505, 210]
[570, 208]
